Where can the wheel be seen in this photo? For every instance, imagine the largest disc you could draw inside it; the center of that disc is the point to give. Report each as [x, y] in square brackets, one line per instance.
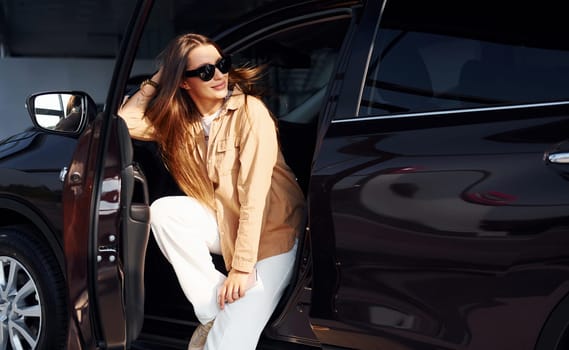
[555, 333]
[32, 293]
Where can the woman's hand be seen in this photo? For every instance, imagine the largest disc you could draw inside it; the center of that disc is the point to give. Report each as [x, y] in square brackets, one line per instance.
[134, 107]
[235, 286]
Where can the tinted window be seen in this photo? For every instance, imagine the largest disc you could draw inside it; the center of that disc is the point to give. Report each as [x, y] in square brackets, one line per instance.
[445, 55]
[299, 65]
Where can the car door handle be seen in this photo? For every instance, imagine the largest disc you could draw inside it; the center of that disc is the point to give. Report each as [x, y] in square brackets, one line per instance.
[558, 158]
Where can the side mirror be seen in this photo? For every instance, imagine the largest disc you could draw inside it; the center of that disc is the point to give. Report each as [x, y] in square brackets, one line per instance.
[65, 112]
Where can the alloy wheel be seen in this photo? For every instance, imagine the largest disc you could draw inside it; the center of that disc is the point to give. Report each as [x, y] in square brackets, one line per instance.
[20, 306]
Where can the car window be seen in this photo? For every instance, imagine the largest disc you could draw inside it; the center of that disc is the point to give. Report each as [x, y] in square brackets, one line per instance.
[299, 63]
[444, 55]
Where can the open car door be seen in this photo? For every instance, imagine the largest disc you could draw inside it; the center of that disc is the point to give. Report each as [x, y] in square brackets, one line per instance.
[106, 220]
[106, 232]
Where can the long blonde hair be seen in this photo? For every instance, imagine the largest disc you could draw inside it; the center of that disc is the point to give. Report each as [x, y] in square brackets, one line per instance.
[177, 121]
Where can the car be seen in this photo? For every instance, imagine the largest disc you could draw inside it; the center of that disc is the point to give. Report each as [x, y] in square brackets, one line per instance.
[430, 140]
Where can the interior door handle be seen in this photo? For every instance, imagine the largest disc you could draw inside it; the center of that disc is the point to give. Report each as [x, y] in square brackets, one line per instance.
[558, 158]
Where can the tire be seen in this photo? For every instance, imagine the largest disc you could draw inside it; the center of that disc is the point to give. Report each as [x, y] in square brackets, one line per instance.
[555, 333]
[33, 311]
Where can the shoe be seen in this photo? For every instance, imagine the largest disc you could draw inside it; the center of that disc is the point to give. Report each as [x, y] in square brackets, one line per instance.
[200, 336]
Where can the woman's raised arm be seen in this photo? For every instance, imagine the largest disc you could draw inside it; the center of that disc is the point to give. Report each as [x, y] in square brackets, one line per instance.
[134, 107]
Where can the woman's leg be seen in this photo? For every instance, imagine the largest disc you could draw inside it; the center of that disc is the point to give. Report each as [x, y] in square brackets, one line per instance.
[186, 233]
[239, 325]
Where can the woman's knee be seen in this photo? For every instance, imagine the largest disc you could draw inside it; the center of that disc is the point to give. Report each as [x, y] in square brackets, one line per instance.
[166, 209]
[160, 208]
[177, 208]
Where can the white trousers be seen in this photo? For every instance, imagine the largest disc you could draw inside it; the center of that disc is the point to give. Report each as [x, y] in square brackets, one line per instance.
[187, 234]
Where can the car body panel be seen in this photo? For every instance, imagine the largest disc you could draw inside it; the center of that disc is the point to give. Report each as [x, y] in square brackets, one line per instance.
[442, 223]
[31, 163]
[77, 201]
[436, 229]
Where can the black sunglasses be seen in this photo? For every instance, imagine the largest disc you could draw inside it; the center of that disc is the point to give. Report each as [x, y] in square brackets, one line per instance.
[207, 71]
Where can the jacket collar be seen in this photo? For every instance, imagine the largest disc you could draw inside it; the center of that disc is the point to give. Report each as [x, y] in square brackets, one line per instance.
[236, 99]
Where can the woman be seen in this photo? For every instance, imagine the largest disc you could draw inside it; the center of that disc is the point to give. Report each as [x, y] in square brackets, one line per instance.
[220, 143]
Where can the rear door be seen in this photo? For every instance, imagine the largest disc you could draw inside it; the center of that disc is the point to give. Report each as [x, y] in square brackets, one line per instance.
[106, 219]
[438, 217]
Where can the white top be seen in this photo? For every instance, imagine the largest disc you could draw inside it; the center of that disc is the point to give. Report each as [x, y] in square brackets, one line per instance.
[207, 119]
[206, 122]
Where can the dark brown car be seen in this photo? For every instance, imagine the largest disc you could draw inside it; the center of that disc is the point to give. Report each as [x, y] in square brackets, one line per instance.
[430, 141]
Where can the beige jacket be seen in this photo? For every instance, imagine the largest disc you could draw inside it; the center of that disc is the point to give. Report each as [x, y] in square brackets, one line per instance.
[259, 206]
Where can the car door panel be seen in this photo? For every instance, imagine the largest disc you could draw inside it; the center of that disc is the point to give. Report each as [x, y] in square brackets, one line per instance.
[102, 264]
[438, 225]
[77, 208]
[135, 226]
